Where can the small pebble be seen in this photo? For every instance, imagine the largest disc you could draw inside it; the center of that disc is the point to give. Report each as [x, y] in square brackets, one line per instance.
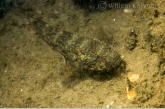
[128, 11]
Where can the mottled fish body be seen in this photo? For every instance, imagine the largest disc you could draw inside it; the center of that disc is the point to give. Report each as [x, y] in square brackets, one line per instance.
[84, 53]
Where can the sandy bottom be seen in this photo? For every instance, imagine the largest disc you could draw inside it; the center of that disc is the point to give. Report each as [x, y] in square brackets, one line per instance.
[30, 70]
